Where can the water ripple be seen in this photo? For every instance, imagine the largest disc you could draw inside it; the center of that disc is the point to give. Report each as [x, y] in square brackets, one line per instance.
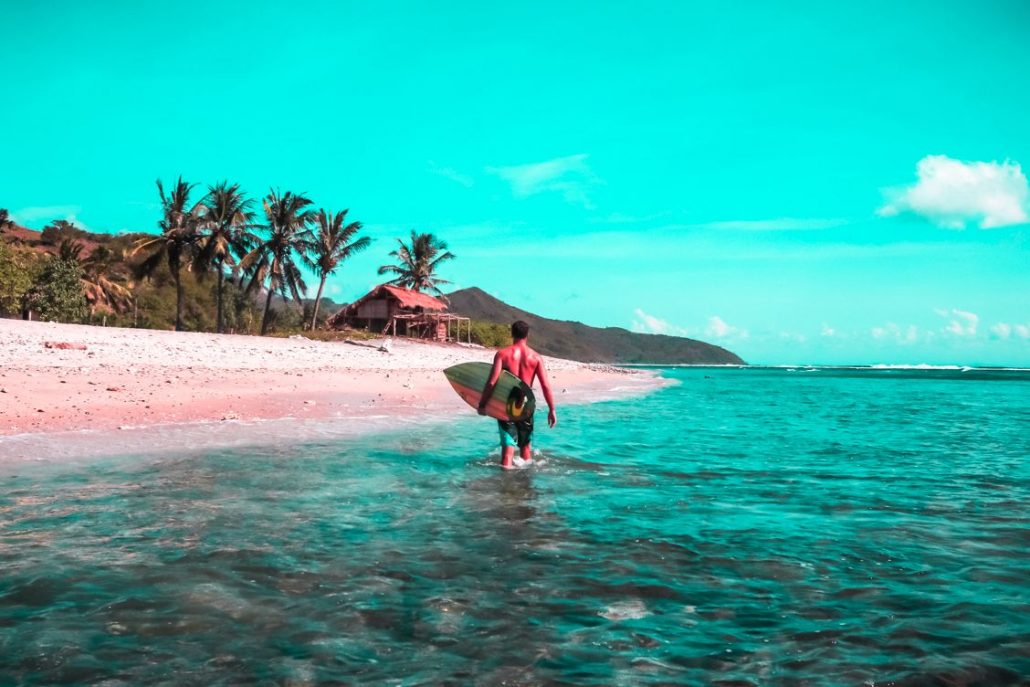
[740, 528]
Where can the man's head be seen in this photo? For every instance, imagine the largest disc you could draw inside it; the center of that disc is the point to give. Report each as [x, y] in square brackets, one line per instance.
[519, 330]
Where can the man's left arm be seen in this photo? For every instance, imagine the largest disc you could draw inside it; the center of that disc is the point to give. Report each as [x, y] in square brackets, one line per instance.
[545, 386]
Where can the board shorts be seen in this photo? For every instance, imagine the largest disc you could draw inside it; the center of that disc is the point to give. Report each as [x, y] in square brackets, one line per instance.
[518, 433]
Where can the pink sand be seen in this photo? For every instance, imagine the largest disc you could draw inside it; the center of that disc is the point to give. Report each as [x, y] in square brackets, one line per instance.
[135, 377]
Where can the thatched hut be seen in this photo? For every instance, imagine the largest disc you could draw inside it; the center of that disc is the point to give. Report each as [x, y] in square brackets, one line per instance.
[398, 311]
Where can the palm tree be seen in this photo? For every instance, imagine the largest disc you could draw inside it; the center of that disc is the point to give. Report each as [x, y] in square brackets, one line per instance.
[98, 285]
[330, 245]
[273, 258]
[98, 281]
[70, 250]
[418, 263]
[225, 220]
[5, 220]
[177, 242]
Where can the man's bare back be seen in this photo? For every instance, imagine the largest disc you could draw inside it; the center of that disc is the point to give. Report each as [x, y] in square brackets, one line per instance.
[526, 364]
[520, 360]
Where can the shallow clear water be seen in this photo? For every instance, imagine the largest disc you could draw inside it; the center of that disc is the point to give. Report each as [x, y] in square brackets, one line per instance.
[743, 527]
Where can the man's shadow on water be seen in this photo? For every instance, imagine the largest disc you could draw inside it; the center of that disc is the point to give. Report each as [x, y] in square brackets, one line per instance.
[507, 497]
[500, 529]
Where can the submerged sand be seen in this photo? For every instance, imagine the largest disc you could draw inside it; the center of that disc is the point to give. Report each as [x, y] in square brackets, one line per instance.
[63, 378]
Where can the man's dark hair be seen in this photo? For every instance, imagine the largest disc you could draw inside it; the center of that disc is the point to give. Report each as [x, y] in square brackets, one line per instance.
[519, 330]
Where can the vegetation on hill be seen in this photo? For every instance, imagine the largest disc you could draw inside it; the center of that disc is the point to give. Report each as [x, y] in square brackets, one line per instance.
[160, 281]
[19, 270]
[107, 263]
[67, 274]
[576, 341]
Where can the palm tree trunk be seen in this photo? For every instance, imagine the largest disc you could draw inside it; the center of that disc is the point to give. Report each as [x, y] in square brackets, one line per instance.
[178, 300]
[318, 299]
[268, 303]
[219, 327]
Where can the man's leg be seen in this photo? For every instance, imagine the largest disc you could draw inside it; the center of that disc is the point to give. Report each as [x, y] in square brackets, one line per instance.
[524, 434]
[526, 453]
[508, 443]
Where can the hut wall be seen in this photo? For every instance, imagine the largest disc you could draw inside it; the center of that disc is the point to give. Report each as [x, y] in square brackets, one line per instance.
[377, 309]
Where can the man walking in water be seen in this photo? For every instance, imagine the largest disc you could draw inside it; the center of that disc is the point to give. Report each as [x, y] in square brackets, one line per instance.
[526, 364]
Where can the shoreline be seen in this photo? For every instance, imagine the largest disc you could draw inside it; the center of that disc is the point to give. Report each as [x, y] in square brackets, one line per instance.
[152, 390]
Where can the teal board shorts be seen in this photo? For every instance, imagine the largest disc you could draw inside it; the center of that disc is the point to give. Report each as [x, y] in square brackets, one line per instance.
[518, 433]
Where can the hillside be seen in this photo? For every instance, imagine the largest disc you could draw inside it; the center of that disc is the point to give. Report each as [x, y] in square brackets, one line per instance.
[577, 341]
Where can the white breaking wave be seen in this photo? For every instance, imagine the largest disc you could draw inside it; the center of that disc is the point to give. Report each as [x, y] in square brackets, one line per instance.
[921, 366]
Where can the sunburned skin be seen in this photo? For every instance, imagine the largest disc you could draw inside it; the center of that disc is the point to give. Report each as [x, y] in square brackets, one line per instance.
[526, 364]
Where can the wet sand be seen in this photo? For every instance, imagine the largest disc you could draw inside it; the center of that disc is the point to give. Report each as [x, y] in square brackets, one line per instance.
[61, 378]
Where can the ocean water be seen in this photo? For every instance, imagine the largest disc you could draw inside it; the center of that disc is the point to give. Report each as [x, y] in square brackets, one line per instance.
[741, 527]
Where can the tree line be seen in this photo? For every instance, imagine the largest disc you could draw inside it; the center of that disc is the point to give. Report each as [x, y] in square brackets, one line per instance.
[220, 234]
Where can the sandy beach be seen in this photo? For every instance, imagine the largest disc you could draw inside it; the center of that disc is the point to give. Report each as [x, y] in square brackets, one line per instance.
[61, 378]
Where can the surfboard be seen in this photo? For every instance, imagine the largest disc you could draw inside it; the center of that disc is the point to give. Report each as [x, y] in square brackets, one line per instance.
[511, 400]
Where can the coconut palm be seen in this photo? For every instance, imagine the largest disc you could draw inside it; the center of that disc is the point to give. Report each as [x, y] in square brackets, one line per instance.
[177, 242]
[418, 263]
[224, 237]
[70, 250]
[330, 245]
[99, 287]
[273, 259]
[5, 220]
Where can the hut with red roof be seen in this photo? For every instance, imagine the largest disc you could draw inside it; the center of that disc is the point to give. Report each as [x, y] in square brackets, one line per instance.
[389, 309]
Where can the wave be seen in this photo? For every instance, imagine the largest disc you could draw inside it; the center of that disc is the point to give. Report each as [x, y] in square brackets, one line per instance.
[815, 368]
[921, 366]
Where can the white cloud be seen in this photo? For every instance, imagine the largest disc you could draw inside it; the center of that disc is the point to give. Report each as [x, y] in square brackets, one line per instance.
[894, 332]
[649, 324]
[719, 329]
[625, 218]
[452, 174]
[828, 331]
[778, 224]
[962, 323]
[1004, 330]
[952, 193]
[570, 176]
[48, 213]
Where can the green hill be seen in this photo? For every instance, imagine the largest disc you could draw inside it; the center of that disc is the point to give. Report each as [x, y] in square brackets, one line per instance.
[577, 341]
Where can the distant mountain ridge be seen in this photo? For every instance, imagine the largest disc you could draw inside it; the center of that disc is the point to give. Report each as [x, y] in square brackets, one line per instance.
[577, 341]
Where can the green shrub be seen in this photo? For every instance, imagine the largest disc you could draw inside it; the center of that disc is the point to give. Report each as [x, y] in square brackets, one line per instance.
[57, 293]
[58, 231]
[490, 334]
[16, 278]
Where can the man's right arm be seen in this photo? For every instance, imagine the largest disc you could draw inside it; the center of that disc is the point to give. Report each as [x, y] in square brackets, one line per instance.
[488, 388]
[545, 385]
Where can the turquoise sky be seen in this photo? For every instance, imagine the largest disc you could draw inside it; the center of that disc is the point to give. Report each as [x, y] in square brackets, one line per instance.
[805, 182]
